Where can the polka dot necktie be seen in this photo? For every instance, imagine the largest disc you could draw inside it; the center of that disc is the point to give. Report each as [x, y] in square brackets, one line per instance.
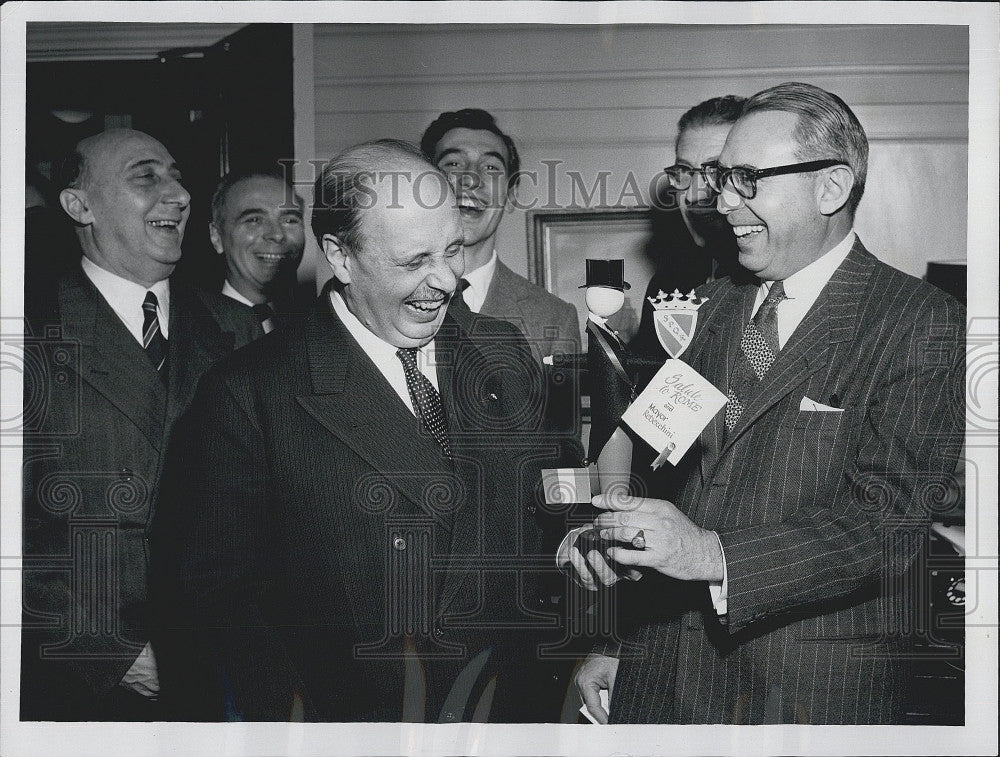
[152, 338]
[425, 398]
[758, 348]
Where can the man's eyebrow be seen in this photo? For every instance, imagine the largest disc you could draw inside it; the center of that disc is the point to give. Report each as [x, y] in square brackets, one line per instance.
[450, 151]
[152, 162]
[250, 212]
[496, 155]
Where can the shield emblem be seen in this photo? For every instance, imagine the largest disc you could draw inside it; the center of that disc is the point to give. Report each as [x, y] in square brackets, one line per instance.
[675, 328]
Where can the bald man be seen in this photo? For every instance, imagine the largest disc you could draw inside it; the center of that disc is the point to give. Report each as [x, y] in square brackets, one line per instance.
[118, 350]
[400, 578]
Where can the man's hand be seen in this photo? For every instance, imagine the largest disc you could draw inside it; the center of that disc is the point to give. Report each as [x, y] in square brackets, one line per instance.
[597, 672]
[571, 559]
[675, 546]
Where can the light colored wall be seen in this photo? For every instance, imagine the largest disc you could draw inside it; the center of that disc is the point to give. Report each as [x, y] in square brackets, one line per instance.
[607, 98]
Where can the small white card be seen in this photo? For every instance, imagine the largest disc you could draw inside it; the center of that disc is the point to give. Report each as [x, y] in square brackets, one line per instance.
[674, 409]
[605, 698]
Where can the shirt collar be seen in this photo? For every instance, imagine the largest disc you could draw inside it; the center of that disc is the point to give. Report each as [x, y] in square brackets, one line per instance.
[230, 291]
[806, 284]
[479, 279]
[126, 297]
[373, 345]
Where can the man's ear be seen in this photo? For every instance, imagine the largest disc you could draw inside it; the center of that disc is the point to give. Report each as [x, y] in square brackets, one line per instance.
[74, 202]
[835, 189]
[338, 257]
[216, 236]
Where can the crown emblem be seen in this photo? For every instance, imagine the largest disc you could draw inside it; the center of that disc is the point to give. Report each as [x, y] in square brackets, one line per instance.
[674, 318]
[677, 301]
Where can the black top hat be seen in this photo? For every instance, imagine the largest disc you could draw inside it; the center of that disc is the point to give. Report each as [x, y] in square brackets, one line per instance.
[606, 273]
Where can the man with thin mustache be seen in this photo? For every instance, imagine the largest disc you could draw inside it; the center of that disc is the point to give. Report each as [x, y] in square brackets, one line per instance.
[361, 541]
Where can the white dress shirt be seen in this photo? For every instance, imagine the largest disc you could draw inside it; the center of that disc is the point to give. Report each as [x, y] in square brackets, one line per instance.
[383, 354]
[479, 284]
[126, 297]
[802, 289]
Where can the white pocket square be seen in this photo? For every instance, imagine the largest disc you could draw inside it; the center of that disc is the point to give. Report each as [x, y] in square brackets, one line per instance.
[817, 407]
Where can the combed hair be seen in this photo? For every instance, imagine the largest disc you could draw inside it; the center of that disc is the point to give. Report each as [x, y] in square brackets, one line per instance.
[233, 178]
[826, 128]
[471, 118]
[718, 111]
[344, 187]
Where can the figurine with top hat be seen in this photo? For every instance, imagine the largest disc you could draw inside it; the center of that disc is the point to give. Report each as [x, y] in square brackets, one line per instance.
[612, 385]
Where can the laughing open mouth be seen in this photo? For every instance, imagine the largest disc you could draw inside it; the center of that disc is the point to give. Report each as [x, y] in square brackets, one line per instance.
[468, 206]
[742, 232]
[426, 306]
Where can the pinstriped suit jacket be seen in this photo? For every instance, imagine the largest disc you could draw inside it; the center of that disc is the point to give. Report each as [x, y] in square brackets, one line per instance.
[821, 514]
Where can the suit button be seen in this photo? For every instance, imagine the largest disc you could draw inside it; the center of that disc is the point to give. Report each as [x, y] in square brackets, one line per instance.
[438, 632]
[449, 716]
[531, 509]
[399, 543]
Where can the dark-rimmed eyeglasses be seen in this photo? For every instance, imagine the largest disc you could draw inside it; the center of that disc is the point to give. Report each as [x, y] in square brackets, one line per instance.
[743, 179]
[680, 176]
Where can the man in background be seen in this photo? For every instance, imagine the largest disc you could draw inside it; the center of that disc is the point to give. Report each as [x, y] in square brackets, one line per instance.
[119, 349]
[258, 227]
[483, 166]
[692, 241]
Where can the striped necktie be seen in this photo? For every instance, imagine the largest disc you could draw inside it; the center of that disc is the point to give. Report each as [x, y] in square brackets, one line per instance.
[152, 338]
[758, 349]
[425, 398]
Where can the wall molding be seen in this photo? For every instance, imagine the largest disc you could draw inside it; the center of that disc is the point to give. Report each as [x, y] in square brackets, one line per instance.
[48, 42]
[617, 75]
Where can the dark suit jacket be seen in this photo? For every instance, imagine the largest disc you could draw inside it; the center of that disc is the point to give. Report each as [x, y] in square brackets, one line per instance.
[293, 303]
[821, 514]
[551, 327]
[97, 424]
[341, 567]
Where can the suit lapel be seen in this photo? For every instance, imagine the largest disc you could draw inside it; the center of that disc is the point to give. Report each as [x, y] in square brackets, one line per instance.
[713, 358]
[502, 299]
[353, 401]
[831, 320]
[461, 365]
[111, 360]
[196, 342]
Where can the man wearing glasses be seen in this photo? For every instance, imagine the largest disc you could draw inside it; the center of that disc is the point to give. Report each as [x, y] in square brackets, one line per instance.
[694, 244]
[779, 587]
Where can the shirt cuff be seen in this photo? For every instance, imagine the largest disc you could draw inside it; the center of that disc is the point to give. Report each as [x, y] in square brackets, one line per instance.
[719, 590]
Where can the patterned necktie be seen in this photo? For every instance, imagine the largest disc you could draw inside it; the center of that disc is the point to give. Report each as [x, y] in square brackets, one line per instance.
[152, 338]
[758, 348]
[425, 398]
[265, 314]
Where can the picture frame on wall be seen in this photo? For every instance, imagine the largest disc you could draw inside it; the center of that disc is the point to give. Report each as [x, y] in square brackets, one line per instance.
[560, 241]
